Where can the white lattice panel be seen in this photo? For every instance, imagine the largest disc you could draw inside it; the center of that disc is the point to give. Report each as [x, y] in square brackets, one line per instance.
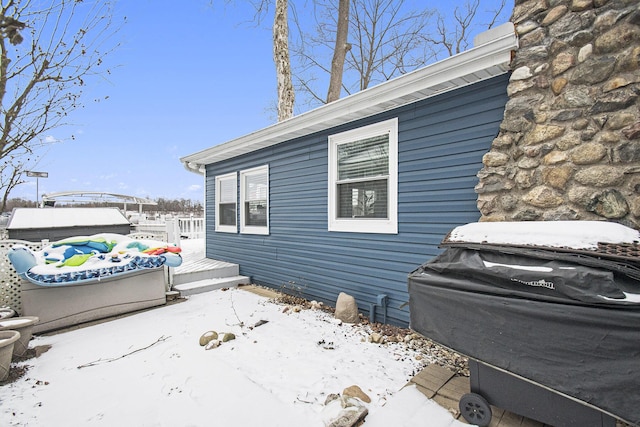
[9, 279]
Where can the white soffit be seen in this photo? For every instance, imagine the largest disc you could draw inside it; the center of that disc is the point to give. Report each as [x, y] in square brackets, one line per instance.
[485, 61]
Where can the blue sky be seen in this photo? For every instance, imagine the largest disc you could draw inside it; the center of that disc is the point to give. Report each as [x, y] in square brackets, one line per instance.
[186, 77]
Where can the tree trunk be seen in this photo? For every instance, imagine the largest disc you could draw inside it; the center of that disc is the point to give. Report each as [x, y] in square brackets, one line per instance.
[286, 94]
[339, 52]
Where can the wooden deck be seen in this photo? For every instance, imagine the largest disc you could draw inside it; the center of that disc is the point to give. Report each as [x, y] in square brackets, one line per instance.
[444, 387]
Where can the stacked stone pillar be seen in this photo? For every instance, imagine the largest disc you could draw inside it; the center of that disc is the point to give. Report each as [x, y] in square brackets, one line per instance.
[569, 144]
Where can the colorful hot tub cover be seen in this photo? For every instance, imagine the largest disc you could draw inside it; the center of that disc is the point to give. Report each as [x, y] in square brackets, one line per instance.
[86, 259]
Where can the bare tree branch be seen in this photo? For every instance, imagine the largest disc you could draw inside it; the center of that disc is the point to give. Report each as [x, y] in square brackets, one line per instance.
[46, 53]
[113, 359]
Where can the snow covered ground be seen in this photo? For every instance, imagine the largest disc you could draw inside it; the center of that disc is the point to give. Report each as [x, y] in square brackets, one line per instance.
[149, 369]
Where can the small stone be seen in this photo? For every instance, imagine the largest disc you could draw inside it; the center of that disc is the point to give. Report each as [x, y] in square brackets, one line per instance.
[635, 207]
[528, 163]
[619, 37]
[616, 83]
[315, 305]
[525, 179]
[331, 397]
[352, 414]
[526, 27]
[558, 84]
[632, 132]
[609, 204]
[543, 133]
[587, 154]
[376, 338]
[594, 70]
[557, 176]
[629, 60]
[620, 120]
[614, 101]
[494, 159]
[554, 14]
[562, 63]
[607, 137]
[562, 213]
[580, 5]
[543, 197]
[521, 73]
[585, 52]
[212, 344]
[228, 336]
[355, 391]
[555, 157]
[346, 308]
[518, 86]
[576, 97]
[207, 337]
[525, 9]
[627, 152]
[599, 176]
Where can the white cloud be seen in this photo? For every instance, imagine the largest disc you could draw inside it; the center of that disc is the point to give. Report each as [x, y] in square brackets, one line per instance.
[50, 139]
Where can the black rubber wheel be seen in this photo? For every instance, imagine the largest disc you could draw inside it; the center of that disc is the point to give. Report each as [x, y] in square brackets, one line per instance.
[475, 409]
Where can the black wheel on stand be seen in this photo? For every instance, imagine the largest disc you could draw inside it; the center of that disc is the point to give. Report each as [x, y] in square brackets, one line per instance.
[475, 409]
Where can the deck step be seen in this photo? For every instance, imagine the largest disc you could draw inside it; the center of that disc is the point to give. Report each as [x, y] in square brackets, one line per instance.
[203, 269]
[207, 285]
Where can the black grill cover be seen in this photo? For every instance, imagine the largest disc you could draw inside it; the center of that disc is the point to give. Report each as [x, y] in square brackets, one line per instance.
[569, 327]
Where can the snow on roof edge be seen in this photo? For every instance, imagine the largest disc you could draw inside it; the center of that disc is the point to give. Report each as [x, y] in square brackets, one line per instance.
[565, 234]
[30, 218]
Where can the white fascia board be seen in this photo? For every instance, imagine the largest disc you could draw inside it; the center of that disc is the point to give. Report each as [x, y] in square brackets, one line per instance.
[485, 61]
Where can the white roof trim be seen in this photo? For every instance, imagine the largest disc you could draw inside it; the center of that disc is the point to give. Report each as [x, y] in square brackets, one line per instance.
[488, 60]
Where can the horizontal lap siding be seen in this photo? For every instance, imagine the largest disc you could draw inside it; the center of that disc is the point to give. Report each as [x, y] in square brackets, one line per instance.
[441, 144]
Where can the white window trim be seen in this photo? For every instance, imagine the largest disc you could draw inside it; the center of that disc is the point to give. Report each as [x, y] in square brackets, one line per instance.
[247, 229]
[225, 228]
[365, 225]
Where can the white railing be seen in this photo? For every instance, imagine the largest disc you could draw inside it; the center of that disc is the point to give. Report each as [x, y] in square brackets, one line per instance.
[173, 229]
[192, 228]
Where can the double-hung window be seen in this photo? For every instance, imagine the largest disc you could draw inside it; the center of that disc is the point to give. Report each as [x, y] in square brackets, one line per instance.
[363, 179]
[254, 200]
[226, 202]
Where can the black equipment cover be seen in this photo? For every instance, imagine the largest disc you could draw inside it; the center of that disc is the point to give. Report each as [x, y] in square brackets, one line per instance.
[571, 327]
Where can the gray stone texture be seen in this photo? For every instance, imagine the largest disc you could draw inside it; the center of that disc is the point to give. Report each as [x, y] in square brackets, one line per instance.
[569, 144]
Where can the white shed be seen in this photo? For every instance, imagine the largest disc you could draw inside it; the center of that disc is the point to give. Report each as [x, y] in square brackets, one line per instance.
[34, 224]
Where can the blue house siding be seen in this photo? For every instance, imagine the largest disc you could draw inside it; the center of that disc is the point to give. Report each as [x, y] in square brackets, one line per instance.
[441, 142]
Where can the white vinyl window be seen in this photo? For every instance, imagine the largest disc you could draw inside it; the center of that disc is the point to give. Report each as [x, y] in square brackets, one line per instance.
[363, 179]
[254, 200]
[226, 203]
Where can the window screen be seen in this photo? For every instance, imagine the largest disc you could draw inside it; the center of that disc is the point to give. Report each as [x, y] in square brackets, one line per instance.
[256, 188]
[227, 203]
[363, 170]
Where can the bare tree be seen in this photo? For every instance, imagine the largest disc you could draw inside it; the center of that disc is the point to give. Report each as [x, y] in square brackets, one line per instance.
[286, 94]
[452, 37]
[340, 50]
[387, 38]
[383, 35]
[46, 54]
